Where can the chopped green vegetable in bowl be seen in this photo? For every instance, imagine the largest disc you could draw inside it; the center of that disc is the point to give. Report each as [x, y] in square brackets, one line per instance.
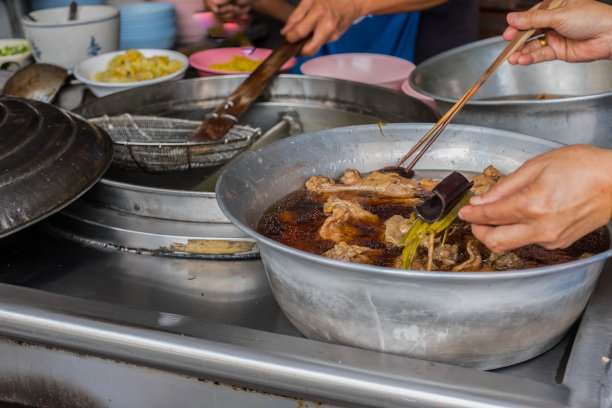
[13, 50]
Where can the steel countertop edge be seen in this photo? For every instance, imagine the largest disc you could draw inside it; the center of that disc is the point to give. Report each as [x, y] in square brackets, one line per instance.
[298, 367]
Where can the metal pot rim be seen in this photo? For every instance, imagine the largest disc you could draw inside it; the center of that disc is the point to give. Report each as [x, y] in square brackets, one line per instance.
[391, 272]
[444, 55]
[516, 102]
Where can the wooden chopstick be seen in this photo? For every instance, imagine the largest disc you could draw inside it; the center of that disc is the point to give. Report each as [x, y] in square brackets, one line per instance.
[516, 42]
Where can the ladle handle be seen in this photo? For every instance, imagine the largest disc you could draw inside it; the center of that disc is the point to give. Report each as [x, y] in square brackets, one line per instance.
[72, 14]
[516, 42]
[231, 109]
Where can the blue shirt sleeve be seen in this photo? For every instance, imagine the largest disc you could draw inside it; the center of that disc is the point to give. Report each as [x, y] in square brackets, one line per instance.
[389, 34]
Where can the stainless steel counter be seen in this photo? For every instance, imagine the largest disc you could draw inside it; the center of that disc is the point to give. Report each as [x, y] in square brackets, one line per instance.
[90, 326]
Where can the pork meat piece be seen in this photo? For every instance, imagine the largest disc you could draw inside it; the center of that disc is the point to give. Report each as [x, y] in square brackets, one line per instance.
[385, 184]
[428, 184]
[493, 173]
[503, 261]
[483, 182]
[352, 253]
[351, 176]
[446, 254]
[342, 215]
[395, 229]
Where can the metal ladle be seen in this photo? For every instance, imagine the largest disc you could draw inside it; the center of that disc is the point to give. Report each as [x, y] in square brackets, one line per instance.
[39, 81]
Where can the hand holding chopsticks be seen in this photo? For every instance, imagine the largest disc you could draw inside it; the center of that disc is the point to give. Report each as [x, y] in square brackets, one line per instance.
[433, 134]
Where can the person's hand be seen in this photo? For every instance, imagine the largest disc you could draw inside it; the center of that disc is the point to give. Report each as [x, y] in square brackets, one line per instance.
[552, 200]
[229, 10]
[327, 20]
[580, 30]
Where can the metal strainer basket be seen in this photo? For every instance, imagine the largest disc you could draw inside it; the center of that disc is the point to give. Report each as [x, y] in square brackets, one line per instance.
[158, 145]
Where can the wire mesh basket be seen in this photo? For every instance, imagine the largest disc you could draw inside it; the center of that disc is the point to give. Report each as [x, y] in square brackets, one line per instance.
[158, 145]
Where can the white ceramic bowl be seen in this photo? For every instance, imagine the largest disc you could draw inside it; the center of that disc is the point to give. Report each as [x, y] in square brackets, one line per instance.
[86, 71]
[56, 40]
[376, 69]
[16, 61]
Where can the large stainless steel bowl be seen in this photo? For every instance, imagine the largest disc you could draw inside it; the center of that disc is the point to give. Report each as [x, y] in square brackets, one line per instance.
[483, 320]
[505, 101]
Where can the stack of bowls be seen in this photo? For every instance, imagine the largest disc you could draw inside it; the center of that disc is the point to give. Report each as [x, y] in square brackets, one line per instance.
[189, 31]
[45, 4]
[148, 25]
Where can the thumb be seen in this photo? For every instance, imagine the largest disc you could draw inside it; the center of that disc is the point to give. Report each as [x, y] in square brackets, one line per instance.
[296, 16]
[534, 19]
[507, 186]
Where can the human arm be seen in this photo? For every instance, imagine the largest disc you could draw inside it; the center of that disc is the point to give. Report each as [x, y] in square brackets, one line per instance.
[327, 20]
[580, 30]
[228, 10]
[552, 200]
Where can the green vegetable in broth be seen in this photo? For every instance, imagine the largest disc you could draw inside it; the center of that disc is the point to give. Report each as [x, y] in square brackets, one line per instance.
[420, 228]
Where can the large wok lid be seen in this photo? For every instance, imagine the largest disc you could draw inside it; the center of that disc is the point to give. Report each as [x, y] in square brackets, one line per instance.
[48, 158]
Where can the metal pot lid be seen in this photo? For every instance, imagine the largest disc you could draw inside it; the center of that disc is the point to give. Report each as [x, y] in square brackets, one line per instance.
[48, 158]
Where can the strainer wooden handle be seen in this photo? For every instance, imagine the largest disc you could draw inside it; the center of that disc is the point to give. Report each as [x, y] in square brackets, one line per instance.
[233, 107]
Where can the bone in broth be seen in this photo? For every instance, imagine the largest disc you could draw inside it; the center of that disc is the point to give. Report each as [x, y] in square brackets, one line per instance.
[365, 219]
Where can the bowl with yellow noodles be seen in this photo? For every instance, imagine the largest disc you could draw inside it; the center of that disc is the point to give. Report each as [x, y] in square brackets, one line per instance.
[121, 70]
[232, 60]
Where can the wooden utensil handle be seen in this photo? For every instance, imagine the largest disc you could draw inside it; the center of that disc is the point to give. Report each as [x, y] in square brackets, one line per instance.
[231, 109]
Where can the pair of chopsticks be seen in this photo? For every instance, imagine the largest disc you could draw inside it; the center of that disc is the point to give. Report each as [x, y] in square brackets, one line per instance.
[433, 134]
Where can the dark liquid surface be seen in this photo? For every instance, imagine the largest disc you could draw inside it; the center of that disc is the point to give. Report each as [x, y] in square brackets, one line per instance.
[523, 97]
[295, 221]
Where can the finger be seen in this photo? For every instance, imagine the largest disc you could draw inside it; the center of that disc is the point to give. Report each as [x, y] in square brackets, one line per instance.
[322, 32]
[301, 30]
[507, 210]
[509, 185]
[505, 237]
[315, 23]
[535, 19]
[298, 15]
[509, 33]
[544, 53]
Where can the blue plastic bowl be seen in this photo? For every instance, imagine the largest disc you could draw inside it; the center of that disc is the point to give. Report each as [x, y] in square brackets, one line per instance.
[162, 43]
[162, 28]
[146, 10]
[148, 34]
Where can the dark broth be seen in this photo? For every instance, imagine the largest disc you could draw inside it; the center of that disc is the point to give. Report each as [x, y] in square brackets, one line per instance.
[295, 221]
[523, 97]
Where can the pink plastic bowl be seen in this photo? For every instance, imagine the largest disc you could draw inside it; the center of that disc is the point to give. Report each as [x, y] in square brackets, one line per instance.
[204, 59]
[376, 69]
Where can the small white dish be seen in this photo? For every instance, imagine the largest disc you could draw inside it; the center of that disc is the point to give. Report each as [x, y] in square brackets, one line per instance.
[86, 71]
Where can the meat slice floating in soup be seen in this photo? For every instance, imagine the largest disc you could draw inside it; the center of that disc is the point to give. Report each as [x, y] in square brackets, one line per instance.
[366, 220]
